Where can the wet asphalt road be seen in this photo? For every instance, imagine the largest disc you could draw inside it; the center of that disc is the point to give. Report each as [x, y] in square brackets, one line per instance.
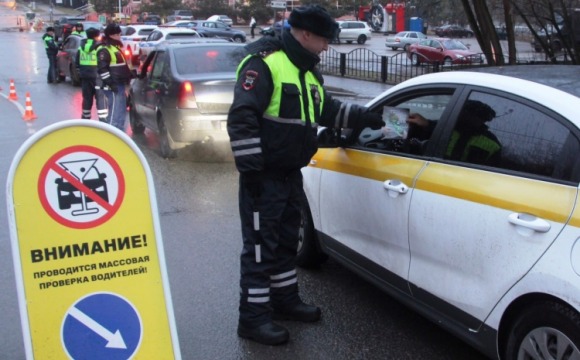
[197, 204]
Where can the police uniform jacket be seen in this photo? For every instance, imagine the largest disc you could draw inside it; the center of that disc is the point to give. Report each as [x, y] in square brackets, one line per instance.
[86, 59]
[279, 100]
[111, 64]
[49, 45]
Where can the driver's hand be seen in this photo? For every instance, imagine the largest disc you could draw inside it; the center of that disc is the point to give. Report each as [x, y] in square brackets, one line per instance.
[417, 119]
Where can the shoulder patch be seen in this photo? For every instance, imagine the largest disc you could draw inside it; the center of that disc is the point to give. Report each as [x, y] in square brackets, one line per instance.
[250, 79]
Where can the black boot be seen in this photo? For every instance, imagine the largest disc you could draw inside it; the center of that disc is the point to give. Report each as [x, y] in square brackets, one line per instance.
[268, 334]
[300, 312]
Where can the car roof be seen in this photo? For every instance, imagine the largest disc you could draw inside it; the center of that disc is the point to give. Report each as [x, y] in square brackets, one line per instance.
[174, 30]
[180, 43]
[142, 26]
[556, 87]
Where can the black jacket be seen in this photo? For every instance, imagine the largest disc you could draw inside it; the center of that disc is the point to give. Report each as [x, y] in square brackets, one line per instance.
[266, 146]
[50, 45]
[119, 74]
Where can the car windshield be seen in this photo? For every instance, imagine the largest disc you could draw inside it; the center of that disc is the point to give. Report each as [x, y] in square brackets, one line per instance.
[454, 45]
[208, 59]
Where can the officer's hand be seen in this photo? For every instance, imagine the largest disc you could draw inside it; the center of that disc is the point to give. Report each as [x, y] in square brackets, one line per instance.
[252, 181]
[373, 120]
[114, 87]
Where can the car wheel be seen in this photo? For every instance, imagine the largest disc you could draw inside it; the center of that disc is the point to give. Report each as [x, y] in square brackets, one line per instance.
[548, 330]
[309, 254]
[137, 126]
[238, 39]
[61, 78]
[415, 59]
[165, 141]
[394, 47]
[74, 76]
[447, 61]
[361, 39]
[349, 41]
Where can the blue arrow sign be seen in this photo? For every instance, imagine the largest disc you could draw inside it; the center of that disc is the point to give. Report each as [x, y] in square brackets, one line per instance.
[102, 326]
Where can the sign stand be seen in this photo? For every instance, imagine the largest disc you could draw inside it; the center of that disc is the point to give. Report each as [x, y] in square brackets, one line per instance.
[87, 247]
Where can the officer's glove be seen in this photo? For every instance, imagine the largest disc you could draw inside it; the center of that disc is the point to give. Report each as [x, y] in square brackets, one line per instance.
[113, 87]
[373, 120]
[252, 181]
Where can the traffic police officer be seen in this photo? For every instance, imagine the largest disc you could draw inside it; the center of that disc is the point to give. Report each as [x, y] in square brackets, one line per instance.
[51, 51]
[86, 62]
[79, 30]
[279, 100]
[115, 74]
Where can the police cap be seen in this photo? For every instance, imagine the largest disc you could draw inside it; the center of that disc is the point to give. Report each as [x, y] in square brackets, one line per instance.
[49, 29]
[92, 33]
[112, 29]
[79, 26]
[314, 18]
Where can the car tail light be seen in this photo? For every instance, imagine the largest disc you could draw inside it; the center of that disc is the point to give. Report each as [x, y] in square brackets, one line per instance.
[128, 53]
[186, 98]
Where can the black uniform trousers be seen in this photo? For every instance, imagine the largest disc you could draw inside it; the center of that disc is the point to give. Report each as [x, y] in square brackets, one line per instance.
[52, 75]
[88, 86]
[269, 282]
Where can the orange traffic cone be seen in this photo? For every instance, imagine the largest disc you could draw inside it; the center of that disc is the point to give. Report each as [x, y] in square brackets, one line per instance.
[29, 114]
[12, 95]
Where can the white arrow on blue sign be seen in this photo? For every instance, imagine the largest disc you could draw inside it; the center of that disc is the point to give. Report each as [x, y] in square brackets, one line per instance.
[102, 326]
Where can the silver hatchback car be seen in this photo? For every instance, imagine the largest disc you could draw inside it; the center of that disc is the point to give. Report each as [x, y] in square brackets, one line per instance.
[184, 92]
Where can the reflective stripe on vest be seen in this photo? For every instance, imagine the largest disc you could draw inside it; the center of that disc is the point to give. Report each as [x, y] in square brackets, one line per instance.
[86, 57]
[46, 40]
[113, 51]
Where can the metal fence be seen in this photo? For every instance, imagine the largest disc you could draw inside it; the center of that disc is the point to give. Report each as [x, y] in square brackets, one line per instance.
[367, 65]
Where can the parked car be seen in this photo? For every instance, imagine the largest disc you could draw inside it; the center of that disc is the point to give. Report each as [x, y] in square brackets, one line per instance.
[489, 252]
[180, 15]
[445, 51]
[403, 39]
[453, 31]
[161, 34]
[149, 19]
[63, 26]
[65, 60]
[133, 36]
[93, 24]
[350, 31]
[197, 77]
[223, 18]
[550, 39]
[213, 29]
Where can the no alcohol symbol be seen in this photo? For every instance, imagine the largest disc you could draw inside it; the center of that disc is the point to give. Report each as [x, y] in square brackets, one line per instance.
[81, 187]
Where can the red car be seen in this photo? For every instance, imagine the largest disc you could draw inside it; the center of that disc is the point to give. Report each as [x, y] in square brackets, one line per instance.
[443, 50]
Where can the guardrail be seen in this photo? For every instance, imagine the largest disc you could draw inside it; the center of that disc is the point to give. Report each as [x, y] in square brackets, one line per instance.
[367, 65]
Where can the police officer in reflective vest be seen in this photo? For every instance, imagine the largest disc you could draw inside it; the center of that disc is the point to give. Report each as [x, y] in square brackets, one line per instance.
[86, 62]
[115, 74]
[51, 51]
[79, 30]
[279, 100]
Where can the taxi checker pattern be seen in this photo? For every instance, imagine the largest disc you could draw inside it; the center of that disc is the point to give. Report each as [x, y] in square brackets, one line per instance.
[489, 252]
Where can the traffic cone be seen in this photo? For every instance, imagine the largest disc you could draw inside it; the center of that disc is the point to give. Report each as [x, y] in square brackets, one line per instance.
[12, 95]
[29, 114]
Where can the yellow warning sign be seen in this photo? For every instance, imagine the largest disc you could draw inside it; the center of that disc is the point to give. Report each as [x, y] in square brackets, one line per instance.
[87, 247]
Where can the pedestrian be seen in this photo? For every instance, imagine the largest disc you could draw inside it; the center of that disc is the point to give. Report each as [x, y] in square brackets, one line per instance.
[252, 27]
[86, 63]
[279, 100]
[115, 73]
[51, 51]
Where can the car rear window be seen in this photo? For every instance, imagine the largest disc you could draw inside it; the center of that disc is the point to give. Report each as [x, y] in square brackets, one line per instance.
[208, 59]
[144, 32]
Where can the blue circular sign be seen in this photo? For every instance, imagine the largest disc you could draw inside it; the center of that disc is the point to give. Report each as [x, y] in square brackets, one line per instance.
[102, 326]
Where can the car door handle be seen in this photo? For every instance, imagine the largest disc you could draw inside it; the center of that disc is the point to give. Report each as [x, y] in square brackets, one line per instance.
[529, 221]
[395, 187]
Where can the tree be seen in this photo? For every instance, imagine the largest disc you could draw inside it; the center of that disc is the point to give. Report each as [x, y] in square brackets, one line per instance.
[162, 7]
[109, 6]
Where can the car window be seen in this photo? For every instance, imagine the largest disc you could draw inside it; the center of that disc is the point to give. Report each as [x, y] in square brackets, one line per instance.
[143, 32]
[530, 140]
[205, 59]
[430, 106]
[160, 66]
[180, 35]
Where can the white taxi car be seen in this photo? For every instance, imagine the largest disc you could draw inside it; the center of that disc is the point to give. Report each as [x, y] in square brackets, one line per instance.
[161, 34]
[475, 227]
